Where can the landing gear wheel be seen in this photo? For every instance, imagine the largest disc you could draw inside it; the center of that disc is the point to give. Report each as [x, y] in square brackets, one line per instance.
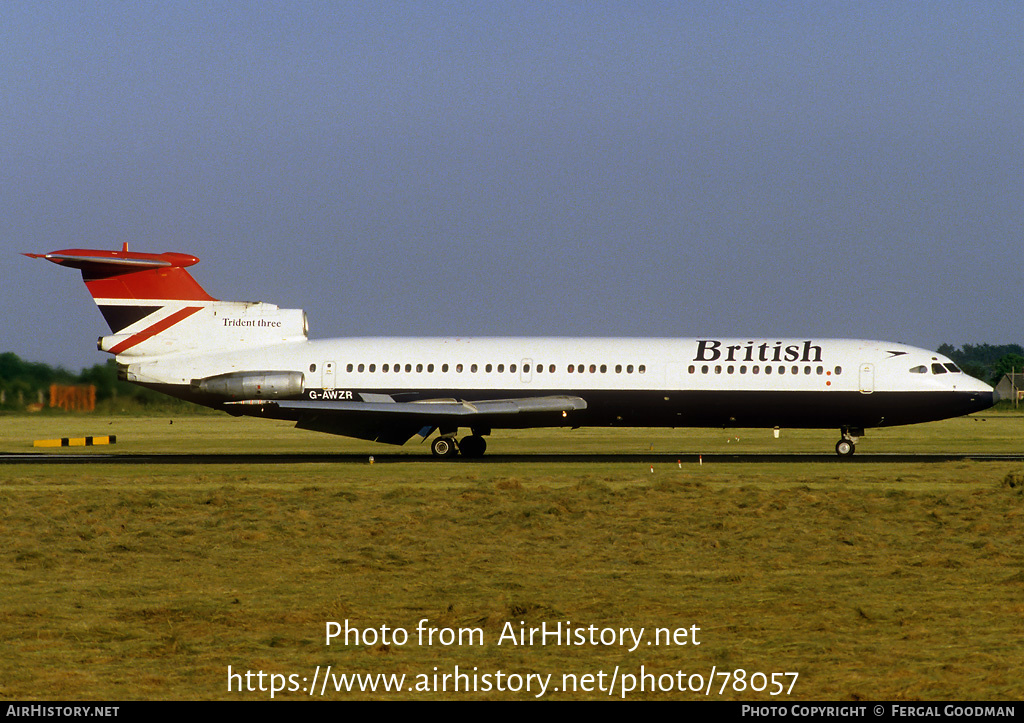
[845, 448]
[473, 446]
[443, 447]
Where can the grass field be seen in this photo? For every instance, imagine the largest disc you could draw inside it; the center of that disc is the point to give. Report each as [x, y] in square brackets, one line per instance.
[871, 581]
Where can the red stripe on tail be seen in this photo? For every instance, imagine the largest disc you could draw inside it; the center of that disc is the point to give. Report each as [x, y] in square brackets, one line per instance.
[152, 331]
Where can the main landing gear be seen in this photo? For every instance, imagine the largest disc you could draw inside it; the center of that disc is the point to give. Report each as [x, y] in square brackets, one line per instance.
[846, 446]
[446, 446]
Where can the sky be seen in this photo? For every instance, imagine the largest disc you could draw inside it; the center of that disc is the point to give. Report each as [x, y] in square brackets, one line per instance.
[669, 169]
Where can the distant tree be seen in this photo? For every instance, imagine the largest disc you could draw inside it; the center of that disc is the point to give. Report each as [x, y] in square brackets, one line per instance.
[1006, 365]
[22, 381]
[108, 386]
[103, 376]
[978, 371]
[14, 369]
[980, 360]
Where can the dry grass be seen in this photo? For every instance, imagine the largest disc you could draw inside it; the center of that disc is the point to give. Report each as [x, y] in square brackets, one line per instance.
[872, 582]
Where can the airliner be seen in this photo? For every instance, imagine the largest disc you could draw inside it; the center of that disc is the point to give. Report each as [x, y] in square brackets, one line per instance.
[255, 359]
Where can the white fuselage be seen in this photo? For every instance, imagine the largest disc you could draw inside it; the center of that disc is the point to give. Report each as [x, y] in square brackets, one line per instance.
[758, 382]
[255, 358]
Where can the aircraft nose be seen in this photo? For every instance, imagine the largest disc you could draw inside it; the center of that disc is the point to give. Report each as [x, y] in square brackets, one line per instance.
[982, 393]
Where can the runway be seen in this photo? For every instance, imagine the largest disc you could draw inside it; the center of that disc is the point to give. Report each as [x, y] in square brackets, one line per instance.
[77, 458]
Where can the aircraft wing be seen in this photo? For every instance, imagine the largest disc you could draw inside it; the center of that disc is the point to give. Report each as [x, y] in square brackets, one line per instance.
[381, 420]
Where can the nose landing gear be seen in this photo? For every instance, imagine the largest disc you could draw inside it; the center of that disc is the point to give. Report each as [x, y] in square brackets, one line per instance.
[846, 446]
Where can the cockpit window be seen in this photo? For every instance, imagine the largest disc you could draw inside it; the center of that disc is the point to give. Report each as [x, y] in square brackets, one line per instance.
[952, 367]
[921, 369]
[938, 369]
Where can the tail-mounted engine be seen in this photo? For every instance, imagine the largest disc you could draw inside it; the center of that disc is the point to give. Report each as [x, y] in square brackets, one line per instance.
[240, 386]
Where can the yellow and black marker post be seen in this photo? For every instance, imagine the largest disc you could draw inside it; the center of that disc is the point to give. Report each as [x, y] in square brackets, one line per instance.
[75, 441]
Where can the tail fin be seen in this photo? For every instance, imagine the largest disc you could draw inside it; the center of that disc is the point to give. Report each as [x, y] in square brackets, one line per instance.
[144, 299]
[127, 286]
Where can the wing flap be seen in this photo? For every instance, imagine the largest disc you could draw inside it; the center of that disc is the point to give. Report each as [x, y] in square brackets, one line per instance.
[434, 408]
[441, 408]
[397, 422]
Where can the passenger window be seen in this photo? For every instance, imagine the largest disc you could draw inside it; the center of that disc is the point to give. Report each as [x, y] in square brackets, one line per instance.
[643, 369]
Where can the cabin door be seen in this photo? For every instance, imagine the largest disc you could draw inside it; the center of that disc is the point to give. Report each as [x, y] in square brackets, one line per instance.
[675, 375]
[867, 378]
[328, 375]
